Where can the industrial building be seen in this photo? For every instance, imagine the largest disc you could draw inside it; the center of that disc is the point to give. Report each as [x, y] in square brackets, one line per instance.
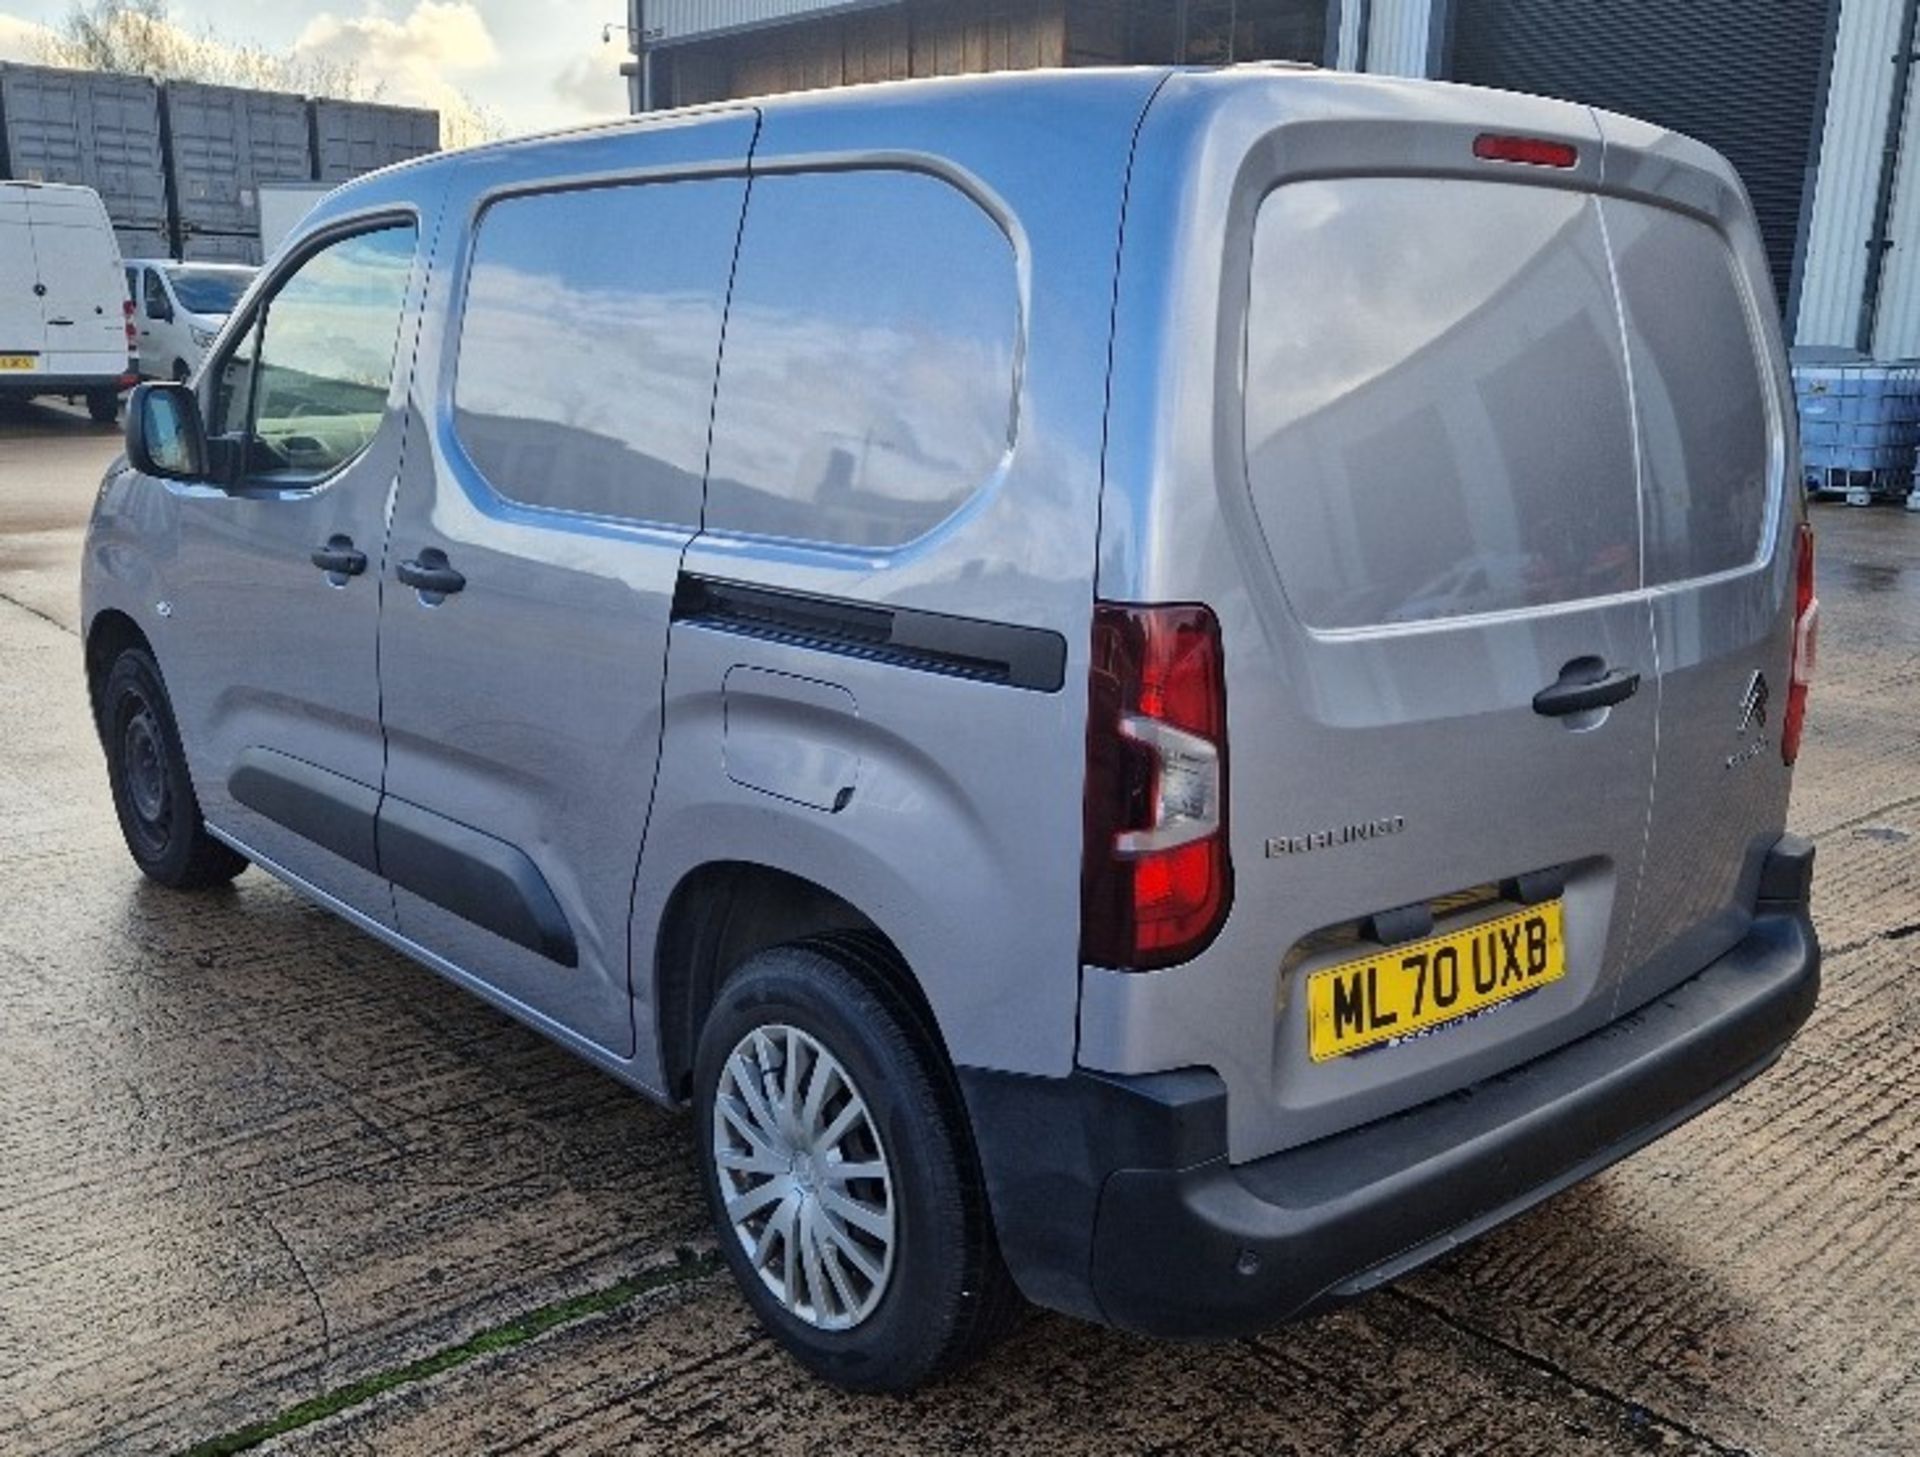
[1809, 98]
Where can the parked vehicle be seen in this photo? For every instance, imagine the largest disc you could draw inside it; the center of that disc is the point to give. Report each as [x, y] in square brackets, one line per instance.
[178, 310]
[64, 325]
[1076, 665]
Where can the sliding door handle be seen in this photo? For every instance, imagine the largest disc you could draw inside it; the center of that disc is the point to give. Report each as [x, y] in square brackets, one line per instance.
[430, 573]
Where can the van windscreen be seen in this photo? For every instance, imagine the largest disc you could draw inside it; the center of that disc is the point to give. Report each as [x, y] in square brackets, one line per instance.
[1436, 410]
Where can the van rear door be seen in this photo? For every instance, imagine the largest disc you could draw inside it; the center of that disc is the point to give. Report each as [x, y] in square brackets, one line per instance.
[1440, 457]
[1411, 497]
[1710, 395]
[79, 265]
[22, 328]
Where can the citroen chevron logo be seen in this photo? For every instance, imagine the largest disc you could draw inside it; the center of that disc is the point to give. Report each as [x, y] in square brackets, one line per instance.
[1753, 704]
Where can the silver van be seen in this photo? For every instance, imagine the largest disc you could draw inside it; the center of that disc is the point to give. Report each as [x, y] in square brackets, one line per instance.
[1163, 693]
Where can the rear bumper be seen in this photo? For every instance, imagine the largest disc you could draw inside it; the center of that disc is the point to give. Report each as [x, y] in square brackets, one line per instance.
[1114, 1199]
[25, 384]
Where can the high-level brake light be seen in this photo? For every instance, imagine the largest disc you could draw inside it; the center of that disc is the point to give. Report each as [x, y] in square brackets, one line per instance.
[1530, 151]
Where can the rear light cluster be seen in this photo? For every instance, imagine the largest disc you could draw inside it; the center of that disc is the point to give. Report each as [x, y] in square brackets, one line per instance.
[1528, 151]
[1156, 879]
[126, 310]
[1806, 639]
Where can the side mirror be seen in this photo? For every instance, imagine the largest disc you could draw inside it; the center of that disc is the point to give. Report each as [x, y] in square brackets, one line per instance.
[165, 434]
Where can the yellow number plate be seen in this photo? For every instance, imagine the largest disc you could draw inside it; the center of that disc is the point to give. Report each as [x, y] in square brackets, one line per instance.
[18, 361]
[1404, 989]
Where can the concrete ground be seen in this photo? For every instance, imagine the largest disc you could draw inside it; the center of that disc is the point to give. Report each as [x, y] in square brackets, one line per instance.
[261, 1180]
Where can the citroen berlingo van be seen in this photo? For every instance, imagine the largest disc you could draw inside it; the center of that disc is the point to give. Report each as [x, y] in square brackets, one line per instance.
[1157, 692]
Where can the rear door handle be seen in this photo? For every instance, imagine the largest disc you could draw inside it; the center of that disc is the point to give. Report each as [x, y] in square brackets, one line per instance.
[429, 572]
[340, 558]
[1584, 685]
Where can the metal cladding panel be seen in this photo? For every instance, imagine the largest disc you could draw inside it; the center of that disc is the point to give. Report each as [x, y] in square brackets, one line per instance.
[669, 21]
[89, 128]
[1399, 36]
[1741, 77]
[353, 137]
[223, 142]
[1896, 333]
[1849, 179]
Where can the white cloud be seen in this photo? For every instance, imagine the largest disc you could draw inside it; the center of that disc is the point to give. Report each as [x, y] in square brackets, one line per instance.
[22, 40]
[416, 60]
[591, 84]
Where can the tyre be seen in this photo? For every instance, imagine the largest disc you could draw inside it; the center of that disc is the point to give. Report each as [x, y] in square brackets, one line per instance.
[103, 406]
[152, 794]
[181, 374]
[840, 1174]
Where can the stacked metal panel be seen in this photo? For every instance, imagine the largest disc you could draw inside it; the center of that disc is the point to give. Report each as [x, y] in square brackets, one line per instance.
[352, 137]
[223, 143]
[180, 165]
[91, 129]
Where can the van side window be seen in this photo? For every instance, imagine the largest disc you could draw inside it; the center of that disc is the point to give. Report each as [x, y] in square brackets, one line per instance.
[1705, 430]
[317, 369]
[156, 296]
[867, 384]
[588, 344]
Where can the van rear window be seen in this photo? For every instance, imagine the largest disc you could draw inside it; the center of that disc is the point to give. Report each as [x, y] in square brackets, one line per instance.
[1705, 432]
[1436, 410]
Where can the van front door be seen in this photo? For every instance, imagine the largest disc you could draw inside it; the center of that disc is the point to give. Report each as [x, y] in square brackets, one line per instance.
[536, 541]
[275, 593]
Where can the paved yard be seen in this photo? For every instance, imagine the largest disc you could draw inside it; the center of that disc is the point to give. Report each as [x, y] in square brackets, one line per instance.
[259, 1175]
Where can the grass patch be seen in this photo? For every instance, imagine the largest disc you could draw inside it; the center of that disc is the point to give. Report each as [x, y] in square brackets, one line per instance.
[503, 1337]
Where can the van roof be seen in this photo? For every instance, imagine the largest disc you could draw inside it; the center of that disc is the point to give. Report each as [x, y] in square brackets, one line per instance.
[1644, 152]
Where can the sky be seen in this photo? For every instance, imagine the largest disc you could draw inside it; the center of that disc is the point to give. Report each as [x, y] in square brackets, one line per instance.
[527, 64]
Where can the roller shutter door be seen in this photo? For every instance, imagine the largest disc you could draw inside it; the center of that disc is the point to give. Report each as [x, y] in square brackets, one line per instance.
[1744, 76]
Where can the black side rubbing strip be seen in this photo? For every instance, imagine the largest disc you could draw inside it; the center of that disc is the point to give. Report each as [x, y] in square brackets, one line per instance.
[476, 877]
[333, 811]
[965, 647]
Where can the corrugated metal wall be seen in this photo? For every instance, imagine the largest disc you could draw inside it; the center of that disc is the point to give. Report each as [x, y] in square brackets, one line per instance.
[885, 44]
[1398, 37]
[1849, 177]
[1897, 325]
[1346, 49]
[679, 20]
[1742, 77]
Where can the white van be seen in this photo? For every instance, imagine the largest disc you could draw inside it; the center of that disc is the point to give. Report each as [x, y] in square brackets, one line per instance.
[65, 319]
[178, 309]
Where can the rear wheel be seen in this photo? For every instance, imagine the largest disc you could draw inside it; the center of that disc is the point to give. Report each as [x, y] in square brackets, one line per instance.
[152, 793]
[103, 406]
[838, 1168]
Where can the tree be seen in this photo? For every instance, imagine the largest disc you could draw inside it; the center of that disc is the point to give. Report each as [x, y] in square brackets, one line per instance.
[137, 37]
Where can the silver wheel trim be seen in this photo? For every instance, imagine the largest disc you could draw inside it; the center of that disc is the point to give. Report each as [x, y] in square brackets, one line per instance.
[804, 1176]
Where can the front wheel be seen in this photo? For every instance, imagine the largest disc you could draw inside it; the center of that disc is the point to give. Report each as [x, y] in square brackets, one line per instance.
[839, 1172]
[152, 793]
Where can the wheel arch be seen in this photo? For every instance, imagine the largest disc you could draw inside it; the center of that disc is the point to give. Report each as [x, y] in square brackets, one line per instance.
[723, 912]
[110, 634]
